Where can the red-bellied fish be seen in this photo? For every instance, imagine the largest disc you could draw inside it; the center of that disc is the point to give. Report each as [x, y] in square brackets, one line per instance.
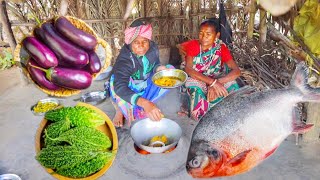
[245, 128]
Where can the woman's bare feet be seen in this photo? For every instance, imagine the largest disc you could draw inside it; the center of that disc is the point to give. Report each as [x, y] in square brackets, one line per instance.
[183, 112]
[118, 119]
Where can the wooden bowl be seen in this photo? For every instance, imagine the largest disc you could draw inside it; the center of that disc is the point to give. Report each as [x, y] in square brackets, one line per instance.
[22, 56]
[108, 129]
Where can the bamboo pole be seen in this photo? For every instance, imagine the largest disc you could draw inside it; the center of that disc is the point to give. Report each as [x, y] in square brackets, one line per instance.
[79, 11]
[263, 26]
[4, 20]
[251, 19]
[1, 33]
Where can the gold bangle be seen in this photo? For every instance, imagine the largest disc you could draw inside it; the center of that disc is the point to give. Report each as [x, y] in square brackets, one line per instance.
[213, 83]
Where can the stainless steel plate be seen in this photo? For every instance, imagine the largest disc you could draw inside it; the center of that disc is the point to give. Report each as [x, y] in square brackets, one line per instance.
[9, 177]
[52, 100]
[94, 98]
[177, 76]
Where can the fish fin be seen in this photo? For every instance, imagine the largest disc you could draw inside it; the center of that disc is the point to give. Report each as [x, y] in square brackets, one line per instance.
[243, 91]
[301, 128]
[300, 76]
[296, 115]
[270, 152]
[298, 126]
[238, 158]
[300, 81]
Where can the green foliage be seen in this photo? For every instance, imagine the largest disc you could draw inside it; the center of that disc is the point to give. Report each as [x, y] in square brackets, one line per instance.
[87, 168]
[307, 25]
[6, 60]
[84, 137]
[54, 130]
[78, 116]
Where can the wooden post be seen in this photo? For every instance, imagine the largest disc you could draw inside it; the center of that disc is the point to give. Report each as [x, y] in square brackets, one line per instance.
[263, 26]
[145, 4]
[313, 111]
[80, 13]
[251, 20]
[1, 33]
[4, 20]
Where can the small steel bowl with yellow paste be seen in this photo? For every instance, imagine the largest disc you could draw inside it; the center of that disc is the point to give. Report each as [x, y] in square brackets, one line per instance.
[169, 78]
[45, 105]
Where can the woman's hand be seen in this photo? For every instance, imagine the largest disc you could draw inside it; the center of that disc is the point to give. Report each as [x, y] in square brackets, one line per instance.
[212, 95]
[160, 68]
[220, 90]
[152, 111]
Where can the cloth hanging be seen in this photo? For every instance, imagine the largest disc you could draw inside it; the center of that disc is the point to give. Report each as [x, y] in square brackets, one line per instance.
[226, 31]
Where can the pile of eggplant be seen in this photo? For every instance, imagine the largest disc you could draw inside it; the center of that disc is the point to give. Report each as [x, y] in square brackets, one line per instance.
[61, 56]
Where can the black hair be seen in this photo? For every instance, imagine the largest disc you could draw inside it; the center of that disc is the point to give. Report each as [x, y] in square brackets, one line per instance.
[213, 22]
[137, 23]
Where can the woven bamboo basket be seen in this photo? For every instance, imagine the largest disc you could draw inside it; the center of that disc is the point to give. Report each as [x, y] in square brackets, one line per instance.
[21, 56]
[107, 128]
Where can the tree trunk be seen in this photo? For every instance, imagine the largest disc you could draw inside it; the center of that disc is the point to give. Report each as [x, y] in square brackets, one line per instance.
[4, 20]
[251, 20]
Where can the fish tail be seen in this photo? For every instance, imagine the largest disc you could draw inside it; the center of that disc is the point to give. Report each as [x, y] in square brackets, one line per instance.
[300, 82]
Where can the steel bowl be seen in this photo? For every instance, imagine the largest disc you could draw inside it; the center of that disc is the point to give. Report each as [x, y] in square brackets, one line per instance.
[143, 130]
[94, 98]
[9, 177]
[178, 76]
[52, 100]
[105, 74]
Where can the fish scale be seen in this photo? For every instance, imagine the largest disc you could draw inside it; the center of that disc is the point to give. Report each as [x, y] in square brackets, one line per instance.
[245, 128]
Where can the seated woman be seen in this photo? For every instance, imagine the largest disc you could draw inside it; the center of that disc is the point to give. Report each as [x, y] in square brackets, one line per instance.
[211, 69]
[131, 87]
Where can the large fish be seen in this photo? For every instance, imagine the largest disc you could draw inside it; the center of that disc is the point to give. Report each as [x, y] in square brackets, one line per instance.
[277, 7]
[246, 128]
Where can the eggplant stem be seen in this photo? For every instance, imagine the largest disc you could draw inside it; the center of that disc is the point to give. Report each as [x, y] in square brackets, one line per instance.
[42, 69]
[48, 72]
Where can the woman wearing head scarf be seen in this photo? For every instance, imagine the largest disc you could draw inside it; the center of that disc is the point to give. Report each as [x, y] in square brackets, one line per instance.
[131, 87]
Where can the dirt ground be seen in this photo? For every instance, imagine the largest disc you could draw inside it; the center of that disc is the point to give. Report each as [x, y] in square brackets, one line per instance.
[18, 127]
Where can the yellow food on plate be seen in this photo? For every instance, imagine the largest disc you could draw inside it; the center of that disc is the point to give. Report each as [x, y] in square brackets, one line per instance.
[166, 81]
[43, 107]
[162, 138]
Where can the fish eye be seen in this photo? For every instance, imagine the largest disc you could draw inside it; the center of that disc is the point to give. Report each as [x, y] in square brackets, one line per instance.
[195, 162]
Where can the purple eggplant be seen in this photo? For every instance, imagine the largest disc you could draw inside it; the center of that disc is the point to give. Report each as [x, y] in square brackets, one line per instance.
[94, 65]
[75, 35]
[38, 33]
[68, 78]
[68, 54]
[39, 76]
[40, 52]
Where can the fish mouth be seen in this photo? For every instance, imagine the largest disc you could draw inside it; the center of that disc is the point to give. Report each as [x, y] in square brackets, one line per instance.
[206, 165]
[206, 170]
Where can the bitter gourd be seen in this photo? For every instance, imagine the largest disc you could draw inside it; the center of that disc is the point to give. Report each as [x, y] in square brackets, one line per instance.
[78, 116]
[84, 137]
[54, 130]
[64, 157]
[87, 168]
